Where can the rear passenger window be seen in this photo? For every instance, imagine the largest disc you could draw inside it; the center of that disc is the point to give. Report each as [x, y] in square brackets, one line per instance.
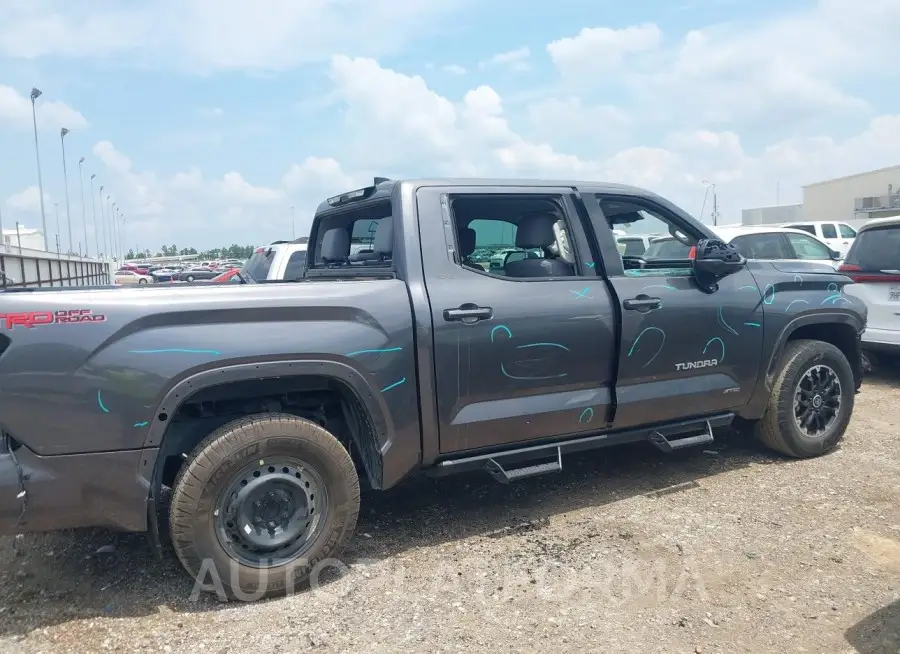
[523, 237]
[295, 266]
[806, 228]
[846, 231]
[828, 231]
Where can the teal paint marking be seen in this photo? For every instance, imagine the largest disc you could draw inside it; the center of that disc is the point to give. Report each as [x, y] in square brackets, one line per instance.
[586, 416]
[394, 385]
[769, 299]
[751, 287]
[517, 377]
[504, 328]
[590, 264]
[375, 351]
[100, 402]
[799, 280]
[834, 298]
[175, 350]
[752, 324]
[561, 347]
[710, 342]
[582, 293]
[665, 286]
[648, 329]
[725, 324]
[795, 302]
[141, 424]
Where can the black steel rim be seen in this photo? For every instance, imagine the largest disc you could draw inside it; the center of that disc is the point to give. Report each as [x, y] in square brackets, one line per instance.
[271, 512]
[817, 401]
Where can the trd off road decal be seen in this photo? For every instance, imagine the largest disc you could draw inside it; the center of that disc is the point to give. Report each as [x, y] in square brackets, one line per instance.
[31, 319]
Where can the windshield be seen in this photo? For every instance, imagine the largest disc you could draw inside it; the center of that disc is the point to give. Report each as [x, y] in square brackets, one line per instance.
[257, 266]
[667, 248]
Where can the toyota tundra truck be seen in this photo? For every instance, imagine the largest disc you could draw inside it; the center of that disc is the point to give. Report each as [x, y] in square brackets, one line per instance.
[243, 419]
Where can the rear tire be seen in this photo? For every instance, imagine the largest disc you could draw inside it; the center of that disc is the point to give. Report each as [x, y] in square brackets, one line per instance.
[142, 281]
[811, 401]
[264, 467]
[190, 278]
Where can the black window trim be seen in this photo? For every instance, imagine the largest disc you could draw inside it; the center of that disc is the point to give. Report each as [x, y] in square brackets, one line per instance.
[577, 238]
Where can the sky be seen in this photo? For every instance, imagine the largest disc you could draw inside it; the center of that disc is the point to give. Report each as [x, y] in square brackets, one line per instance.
[207, 121]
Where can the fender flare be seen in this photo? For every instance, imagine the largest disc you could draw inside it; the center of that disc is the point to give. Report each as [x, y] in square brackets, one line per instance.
[760, 397]
[181, 391]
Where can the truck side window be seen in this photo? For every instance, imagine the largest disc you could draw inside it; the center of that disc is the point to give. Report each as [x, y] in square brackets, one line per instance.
[846, 231]
[669, 251]
[806, 228]
[516, 236]
[828, 231]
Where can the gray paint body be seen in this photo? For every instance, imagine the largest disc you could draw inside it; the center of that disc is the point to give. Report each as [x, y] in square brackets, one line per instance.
[90, 402]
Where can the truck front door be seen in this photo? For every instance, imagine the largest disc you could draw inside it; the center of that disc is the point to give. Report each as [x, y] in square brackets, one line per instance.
[684, 352]
[523, 342]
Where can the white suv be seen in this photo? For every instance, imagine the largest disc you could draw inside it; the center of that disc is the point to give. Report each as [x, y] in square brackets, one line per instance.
[873, 263]
[278, 260]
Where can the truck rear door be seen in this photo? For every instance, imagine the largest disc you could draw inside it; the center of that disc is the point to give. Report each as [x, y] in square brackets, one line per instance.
[523, 342]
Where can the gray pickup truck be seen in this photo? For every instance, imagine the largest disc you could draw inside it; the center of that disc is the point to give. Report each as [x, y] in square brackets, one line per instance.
[258, 409]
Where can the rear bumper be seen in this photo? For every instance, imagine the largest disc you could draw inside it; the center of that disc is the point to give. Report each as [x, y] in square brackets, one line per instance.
[886, 340]
[104, 489]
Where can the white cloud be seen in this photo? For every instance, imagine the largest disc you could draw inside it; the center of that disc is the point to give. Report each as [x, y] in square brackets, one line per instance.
[517, 59]
[15, 110]
[600, 49]
[235, 187]
[572, 117]
[454, 69]
[27, 201]
[322, 175]
[206, 36]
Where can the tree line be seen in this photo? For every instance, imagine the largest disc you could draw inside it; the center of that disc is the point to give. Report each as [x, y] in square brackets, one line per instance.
[233, 252]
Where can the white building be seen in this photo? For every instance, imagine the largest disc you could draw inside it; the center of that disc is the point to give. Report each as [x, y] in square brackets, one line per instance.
[854, 199]
[32, 239]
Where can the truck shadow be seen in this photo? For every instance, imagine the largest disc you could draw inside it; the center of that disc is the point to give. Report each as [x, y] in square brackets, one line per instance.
[878, 633]
[60, 577]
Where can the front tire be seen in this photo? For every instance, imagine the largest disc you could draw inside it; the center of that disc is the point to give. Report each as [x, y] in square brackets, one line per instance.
[142, 281]
[811, 401]
[260, 503]
[190, 278]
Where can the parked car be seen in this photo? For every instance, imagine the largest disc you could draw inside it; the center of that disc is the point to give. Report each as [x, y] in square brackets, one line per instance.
[196, 273]
[125, 276]
[228, 276]
[762, 243]
[837, 236]
[284, 260]
[260, 407]
[873, 263]
[139, 269]
[164, 274]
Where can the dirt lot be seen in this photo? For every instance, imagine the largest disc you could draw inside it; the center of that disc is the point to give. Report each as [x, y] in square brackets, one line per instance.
[726, 549]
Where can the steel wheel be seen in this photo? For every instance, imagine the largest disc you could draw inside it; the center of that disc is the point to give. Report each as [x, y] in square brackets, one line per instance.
[817, 401]
[271, 512]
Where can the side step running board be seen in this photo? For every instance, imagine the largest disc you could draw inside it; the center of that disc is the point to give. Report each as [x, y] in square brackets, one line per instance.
[504, 476]
[672, 442]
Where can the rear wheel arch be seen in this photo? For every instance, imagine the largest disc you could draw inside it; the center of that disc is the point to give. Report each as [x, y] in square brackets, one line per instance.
[362, 408]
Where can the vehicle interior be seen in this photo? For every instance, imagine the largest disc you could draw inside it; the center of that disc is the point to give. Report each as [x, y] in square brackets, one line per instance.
[635, 219]
[535, 225]
[358, 239]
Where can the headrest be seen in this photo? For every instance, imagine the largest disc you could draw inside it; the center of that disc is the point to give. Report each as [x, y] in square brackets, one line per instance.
[384, 237]
[535, 231]
[466, 241]
[335, 245]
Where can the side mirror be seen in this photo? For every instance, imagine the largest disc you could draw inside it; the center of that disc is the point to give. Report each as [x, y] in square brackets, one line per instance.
[835, 255]
[716, 259]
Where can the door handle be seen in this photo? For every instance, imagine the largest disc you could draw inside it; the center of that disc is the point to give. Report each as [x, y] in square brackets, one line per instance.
[468, 313]
[642, 303]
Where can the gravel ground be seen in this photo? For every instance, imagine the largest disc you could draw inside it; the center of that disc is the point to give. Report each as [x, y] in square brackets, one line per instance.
[727, 549]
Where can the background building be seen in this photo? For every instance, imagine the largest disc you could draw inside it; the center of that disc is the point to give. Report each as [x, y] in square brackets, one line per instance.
[32, 239]
[854, 199]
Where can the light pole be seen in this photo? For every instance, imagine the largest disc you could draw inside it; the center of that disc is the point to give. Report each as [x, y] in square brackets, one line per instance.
[94, 211]
[715, 207]
[115, 228]
[108, 221]
[293, 229]
[103, 226]
[83, 208]
[35, 94]
[62, 140]
[124, 237]
[56, 207]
